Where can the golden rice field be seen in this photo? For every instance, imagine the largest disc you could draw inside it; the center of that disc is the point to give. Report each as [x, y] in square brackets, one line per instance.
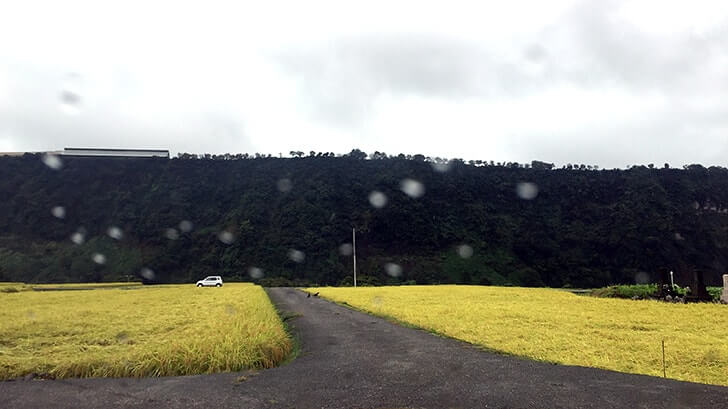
[557, 326]
[139, 331]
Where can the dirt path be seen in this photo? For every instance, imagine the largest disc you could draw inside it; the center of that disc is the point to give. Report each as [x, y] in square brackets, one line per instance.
[353, 360]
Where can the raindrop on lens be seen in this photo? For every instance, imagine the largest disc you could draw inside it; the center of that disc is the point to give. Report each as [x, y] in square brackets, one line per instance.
[59, 212]
[297, 256]
[77, 238]
[185, 226]
[412, 188]
[394, 270]
[171, 234]
[115, 233]
[527, 190]
[346, 249]
[70, 95]
[284, 185]
[377, 199]
[465, 251]
[99, 258]
[52, 161]
[147, 273]
[641, 278]
[255, 272]
[226, 237]
[441, 167]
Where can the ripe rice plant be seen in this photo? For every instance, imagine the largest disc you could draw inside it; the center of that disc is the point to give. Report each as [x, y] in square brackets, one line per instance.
[557, 326]
[139, 331]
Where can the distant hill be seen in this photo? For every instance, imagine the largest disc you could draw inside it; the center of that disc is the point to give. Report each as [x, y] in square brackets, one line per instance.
[288, 218]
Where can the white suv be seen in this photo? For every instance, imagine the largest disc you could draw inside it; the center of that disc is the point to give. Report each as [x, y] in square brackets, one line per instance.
[211, 281]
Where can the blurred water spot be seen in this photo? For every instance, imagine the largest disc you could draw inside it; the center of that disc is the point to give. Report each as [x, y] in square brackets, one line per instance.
[679, 236]
[346, 249]
[527, 190]
[377, 199]
[99, 258]
[31, 314]
[147, 273]
[377, 301]
[78, 238]
[284, 185]
[297, 256]
[642, 278]
[70, 95]
[230, 309]
[185, 226]
[226, 237]
[255, 272]
[59, 212]
[115, 233]
[441, 167]
[171, 234]
[394, 270]
[535, 53]
[465, 251]
[52, 161]
[412, 188]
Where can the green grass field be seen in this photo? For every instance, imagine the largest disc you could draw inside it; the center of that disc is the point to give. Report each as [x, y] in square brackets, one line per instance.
[557, 326]
[148, 331]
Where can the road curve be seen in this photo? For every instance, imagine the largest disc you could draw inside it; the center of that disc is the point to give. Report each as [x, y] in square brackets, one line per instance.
[353, 360]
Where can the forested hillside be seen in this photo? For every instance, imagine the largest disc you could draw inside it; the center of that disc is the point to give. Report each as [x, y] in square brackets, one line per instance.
[243, 218]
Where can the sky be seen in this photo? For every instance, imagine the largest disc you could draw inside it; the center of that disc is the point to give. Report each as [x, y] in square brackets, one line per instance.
[608, 83]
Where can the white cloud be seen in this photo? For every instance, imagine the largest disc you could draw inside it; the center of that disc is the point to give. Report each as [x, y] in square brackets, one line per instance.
[602, 82]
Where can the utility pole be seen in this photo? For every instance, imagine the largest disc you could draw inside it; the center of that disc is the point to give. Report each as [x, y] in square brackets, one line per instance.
[353, 241]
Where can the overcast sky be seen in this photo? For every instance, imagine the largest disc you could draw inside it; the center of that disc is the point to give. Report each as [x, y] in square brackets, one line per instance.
[610, 83]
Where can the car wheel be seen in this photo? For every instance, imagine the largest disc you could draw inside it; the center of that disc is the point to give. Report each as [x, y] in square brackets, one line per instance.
[218, 285]
[199, 285]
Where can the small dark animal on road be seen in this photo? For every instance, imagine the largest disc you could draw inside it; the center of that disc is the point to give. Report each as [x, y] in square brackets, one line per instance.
[308, 295]
[316, 295]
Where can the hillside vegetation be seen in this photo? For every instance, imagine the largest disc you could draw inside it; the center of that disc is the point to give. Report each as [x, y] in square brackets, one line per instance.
[286, 219]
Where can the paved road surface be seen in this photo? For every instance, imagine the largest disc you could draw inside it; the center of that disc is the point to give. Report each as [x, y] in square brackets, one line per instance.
[353, 360]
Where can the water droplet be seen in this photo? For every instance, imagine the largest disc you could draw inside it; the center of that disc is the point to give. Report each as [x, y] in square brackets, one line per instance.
[147, 273]
[99, 258]
[284, 185]
[70, 95]
[59, 212]
[226, 237]
[78, 238]
[255, 272]
[171, 234]
[346, 249]
[377, 199]
[185, 226]
[465, 251]
[642, 278]
[230, 309]
[527, 190]
[394, 270]
[297, 256]
[412, 188]
[115, 233]
[52, 161]
[441, 167]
